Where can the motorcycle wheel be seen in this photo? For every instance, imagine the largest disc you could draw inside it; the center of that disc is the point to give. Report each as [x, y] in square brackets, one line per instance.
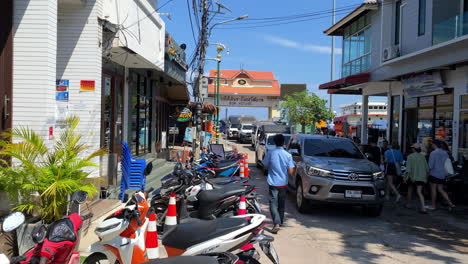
[97, 258]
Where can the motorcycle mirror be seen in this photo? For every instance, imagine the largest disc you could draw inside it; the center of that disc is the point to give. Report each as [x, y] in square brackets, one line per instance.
[79, 196]
[13, 221]
[39, 233]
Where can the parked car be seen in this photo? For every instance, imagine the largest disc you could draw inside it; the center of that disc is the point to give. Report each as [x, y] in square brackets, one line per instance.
[257, 128]
[268, 128]
[245, 132]
[265, 144]
[334, 170]
[233, 131]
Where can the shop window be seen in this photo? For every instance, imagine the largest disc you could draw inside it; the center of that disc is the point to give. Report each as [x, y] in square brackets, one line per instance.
[463, 141]
[443, 124]
[140, 115]
[425, 126]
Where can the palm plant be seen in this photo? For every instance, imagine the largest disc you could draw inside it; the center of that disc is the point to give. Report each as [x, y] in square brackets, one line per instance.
[52, 172]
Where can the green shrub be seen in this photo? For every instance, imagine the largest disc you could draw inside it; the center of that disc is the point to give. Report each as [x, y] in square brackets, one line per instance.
[51, 172]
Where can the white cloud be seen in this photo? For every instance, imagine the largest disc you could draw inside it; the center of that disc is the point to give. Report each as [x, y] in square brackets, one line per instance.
[305, 47]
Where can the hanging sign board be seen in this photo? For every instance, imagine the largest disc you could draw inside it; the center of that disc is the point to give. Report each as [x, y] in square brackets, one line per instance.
[184, 115]
[423, 85]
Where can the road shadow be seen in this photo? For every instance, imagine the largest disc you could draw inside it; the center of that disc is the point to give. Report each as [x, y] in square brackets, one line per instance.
[398, 232]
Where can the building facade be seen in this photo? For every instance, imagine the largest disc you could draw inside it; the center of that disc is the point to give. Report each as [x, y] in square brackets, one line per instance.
[100, 60]
[243, 88]
[418, 52]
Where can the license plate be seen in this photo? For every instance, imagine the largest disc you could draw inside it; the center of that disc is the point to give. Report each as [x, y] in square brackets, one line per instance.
[353, 194]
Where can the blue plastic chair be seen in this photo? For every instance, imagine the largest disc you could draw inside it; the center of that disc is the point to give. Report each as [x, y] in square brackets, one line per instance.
[133, 172]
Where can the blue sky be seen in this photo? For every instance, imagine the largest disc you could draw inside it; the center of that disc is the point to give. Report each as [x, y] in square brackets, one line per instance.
[296, 53]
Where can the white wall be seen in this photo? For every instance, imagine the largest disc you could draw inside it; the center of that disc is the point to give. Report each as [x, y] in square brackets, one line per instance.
[79, 57]
[34, 71]
[142, 29]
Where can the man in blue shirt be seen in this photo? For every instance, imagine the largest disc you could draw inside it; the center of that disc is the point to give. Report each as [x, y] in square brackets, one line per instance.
[279, 164]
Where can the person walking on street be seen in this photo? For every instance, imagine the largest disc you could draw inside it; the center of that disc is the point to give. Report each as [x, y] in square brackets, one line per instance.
[393, 158]
[374, 153]
[416, 175]
[438, 174]
[279, 164]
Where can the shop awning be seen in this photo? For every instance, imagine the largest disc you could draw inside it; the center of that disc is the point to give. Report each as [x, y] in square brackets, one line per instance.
[336, 86]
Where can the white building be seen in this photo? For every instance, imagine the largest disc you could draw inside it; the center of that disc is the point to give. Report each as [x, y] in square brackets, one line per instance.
[375, 108]
[101, 60]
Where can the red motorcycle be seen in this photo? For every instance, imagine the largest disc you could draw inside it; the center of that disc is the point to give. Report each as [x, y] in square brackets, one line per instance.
[56, 243]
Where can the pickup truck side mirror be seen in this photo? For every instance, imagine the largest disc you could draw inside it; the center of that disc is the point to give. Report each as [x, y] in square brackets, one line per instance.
[294, 152]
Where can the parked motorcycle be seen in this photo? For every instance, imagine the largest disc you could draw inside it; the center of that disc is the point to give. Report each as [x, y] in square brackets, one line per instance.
[56, 243]
[122, 234]
[198, 197]
[219, 235]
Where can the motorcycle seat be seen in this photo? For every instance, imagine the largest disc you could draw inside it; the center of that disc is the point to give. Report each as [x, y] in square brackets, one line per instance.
[185, 260]
[220, 192]
[194, 232]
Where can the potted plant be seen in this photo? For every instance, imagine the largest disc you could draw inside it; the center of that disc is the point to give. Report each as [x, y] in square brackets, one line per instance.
[43, 175]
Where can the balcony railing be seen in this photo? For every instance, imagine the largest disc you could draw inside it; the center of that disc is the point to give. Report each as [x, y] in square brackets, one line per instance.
[449, 29]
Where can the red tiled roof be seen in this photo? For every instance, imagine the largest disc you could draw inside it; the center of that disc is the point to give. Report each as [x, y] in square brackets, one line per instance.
[254, 75]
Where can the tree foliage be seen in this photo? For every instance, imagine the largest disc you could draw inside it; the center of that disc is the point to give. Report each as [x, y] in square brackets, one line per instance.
[305, 108]
[51, 172]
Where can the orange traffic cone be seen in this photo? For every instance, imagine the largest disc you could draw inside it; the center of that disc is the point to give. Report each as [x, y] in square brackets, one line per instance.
[152, 238]
[242, 206]
[171, 217]
[241, 169]
[246, 166]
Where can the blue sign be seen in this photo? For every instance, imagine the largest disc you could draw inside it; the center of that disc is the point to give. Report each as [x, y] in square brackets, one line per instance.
[61, 96]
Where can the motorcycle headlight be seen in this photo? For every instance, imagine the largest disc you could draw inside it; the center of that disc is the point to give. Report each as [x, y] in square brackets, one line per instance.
[378, 175]
[313, 171]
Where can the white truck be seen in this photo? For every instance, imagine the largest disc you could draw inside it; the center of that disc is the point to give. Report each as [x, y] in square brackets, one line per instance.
[245, 132]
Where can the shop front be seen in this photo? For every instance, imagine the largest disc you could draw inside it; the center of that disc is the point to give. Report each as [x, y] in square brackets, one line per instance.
[427, 111]
[427, 118]
[140, 99]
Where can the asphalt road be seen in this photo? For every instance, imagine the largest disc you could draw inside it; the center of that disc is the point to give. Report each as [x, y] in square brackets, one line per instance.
[331, 234]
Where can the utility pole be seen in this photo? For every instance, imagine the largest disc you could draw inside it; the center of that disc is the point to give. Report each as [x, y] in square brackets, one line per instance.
[332, 69]
[203, 47]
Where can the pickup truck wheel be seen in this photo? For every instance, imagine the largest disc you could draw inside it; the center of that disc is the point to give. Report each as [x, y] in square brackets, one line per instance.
[373, 211]
[301, 202]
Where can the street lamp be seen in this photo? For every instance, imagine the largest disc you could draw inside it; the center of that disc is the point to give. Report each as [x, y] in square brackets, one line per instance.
[219, 48]
[227, 21]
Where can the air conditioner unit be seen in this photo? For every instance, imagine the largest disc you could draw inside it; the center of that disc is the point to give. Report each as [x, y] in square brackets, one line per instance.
[390, 53]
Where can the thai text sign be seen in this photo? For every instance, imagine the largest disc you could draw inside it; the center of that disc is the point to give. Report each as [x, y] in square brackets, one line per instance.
[246, 100]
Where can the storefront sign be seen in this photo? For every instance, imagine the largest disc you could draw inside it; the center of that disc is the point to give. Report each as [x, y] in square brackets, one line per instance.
[411, 102]
[61, 90]
[423, 85]
[446, 99]
[184, 115]
[173, 130]
[86, 86]
[426, 101]
[189, 134]
[246, 100]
